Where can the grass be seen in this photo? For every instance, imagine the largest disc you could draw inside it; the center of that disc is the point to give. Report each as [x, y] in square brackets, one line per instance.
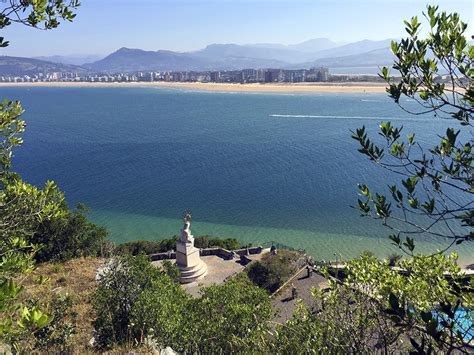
[77, 279]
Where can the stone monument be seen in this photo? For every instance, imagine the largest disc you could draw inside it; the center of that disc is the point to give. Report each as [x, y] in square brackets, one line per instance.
[190, 265]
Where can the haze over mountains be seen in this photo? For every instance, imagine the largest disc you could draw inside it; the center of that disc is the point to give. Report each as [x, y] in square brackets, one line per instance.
[363, 56]
[70, 59]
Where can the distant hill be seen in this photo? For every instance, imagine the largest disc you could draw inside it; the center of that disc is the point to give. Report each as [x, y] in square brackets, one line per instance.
[314, 45]
[217, 52]
[126, 59]
[74, 60]
[311, 46]
[314, 52]
[374, 58]
[235, 56]
[16, 66]
[353, 48]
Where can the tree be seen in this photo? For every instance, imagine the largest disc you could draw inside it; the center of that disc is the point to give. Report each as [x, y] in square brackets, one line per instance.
[70, 236]
[273, 270]
[229, 318]
[138, 304]
[377, 308]
[41, 14]
[11, 126]
[423, 300]
[434, 195]
[22, 206]
[121, 286]
[437, 185]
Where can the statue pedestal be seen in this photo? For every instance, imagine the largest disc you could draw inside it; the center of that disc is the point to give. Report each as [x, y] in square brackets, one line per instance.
[189, 263]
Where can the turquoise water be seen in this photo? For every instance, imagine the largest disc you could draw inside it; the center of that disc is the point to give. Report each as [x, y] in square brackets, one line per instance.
[257, 167]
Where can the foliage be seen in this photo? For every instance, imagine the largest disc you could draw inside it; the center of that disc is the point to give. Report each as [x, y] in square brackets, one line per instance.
[122, 282]
[380, 308]
[43, 14]
[423, 282]
[30, 221]
[59, 331]
[11, 126]
[69, 237]
[206, 241]
[149, 247]
[347, 322]
[37, 329]
[273, 270]
[171, 270]
[230, 318]
[160, 314]
[422, 62]
[435, 194]
[23, 207]
[136, 303]
[146, 247]
[435, 189]
[410, 297]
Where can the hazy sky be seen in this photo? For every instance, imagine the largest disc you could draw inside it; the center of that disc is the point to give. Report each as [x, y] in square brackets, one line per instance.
[102, 26]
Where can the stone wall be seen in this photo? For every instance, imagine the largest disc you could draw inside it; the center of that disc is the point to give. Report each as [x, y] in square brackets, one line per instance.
[223, 253]
[248, 251]
[163, 256]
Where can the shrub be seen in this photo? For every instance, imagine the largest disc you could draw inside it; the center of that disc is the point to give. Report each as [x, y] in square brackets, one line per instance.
[120, 286]
[146, 247]
[57, 335]
[206, 241]
[136, 303]
[171, 270]
[149, 247]
[160, 313]
[273, 270]
[229, 318]
[69, 237]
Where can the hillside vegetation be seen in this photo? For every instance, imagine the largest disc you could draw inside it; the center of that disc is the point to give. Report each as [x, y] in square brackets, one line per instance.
[19, 66]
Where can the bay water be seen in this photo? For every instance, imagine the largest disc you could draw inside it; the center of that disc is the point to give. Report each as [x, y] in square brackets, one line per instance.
[258, 167]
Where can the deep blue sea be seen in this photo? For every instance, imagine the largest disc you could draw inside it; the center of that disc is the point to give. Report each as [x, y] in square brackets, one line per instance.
[254, 166]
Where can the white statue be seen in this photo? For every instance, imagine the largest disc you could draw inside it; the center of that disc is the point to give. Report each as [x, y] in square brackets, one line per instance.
[186, 236]
[188, 260]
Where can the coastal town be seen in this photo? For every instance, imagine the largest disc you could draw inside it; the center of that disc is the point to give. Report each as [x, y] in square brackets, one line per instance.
[230, 76]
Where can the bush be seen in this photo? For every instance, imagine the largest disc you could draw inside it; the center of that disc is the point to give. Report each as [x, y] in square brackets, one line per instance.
[273, 270]
[69, 237]
[206, 241]
[161, 314]
[57, 335]
[146, 247]
[120, 286]
[149, 247]
[171, 270]
[230, 318]
[137, 304]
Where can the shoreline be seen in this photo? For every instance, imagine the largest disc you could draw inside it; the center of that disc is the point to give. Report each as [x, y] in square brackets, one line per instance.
[350, 87]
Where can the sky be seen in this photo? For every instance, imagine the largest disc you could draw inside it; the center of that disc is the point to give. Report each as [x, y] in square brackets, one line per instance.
[103, 26]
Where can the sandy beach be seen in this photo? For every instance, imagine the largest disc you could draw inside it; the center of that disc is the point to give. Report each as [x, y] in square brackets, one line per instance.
[351, 87]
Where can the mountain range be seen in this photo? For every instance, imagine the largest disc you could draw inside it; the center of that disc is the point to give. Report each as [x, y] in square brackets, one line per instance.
[316, 52]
